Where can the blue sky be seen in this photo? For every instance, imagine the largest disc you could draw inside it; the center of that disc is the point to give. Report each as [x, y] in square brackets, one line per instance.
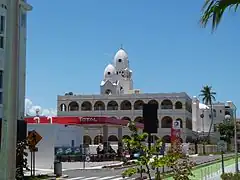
[69, 45]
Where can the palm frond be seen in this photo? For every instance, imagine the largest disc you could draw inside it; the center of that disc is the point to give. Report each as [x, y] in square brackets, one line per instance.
[214, 9]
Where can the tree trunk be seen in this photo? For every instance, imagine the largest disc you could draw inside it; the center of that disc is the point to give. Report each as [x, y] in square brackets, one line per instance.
[210, 128]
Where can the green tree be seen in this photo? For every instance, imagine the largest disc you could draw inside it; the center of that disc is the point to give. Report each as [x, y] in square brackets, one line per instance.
[21, 159]
[208, 96]
[180, 163]
[149, 158]
[136, 143]
[226, 130]
[214, 9]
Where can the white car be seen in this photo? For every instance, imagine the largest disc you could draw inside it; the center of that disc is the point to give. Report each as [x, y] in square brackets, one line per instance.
[59, 151]
[68, 151]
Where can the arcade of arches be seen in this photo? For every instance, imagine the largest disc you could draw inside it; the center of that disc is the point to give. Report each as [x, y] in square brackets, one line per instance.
[123, 105]
[112, 138]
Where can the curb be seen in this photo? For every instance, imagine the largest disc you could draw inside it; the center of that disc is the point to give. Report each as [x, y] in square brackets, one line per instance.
[123, 167]
[53, 177]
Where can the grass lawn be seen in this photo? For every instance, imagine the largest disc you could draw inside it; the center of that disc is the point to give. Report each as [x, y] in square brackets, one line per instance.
[204, 170]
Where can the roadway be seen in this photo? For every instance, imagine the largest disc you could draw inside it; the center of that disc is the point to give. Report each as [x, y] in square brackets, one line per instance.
[111, 174]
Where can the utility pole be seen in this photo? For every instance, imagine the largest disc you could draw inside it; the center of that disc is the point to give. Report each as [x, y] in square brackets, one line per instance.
[10, 90]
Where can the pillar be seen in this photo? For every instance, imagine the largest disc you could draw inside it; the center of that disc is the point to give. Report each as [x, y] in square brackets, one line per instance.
[120, 144]
[105, 138]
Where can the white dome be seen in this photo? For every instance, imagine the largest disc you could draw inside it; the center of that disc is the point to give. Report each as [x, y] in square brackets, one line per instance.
[120, 55]
[203, 106]
[109, 71]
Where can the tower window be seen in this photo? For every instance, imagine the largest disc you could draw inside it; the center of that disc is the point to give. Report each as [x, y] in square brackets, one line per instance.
[1, 79]
[108, 73]
[119, 60]
[2, 25]
[108, 92]
[1, 42]
[1, 97]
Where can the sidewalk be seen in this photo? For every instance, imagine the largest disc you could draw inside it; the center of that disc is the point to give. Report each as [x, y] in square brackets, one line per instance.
[66, 166]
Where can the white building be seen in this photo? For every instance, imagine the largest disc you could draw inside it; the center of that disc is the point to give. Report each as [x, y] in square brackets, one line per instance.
[23, 8]
[201, 116]
[119, 99]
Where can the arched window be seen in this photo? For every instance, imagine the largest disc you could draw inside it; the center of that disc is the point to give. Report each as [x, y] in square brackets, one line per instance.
[86, 106]
[178, 105]
[126, 105]
[63, 107]
[166, 104]
[112, 105]
[98, 139]
[139, 119]
[166, 122]
[138, 105]
[87, 140]
[126, 118]
[73, 106]
[153, 101]
[112, 138]
[99, 106]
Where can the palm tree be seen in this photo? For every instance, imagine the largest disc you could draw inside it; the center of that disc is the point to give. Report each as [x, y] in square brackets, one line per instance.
[208, 96]
[214, 9]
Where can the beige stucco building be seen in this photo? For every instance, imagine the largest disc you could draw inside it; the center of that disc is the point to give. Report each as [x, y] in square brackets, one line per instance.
[118, 99]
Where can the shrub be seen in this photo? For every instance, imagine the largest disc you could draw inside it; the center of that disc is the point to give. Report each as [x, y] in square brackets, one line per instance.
[230, 176]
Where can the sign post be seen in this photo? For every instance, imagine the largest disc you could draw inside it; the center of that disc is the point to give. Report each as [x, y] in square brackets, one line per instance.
[222, 147]
[33, 139]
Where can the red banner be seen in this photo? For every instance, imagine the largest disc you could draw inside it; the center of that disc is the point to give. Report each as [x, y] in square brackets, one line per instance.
[175, 131]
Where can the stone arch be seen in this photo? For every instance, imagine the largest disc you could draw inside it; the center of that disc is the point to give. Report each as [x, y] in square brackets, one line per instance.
[73, 106]
[166, 122]
[63, 107]
[112, 138]
[126, 137]
[126, 105]
[126, 118]
[112, 105]
[138, 105]
[166, 139]
[114, 117]
[86, 106]
[166, 104]
[178, 105]
[181, 123]
[153, 101]
[139, 119]
[98, 139]
[99, 106]
[87, 140]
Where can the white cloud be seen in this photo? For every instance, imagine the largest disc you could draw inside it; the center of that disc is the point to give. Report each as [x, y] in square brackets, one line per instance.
[30, 109]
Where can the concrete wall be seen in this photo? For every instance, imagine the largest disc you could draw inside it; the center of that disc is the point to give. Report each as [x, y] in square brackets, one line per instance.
[53, 135]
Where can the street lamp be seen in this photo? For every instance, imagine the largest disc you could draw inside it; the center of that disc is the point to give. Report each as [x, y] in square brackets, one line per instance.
[228, 118]
[203, 138]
